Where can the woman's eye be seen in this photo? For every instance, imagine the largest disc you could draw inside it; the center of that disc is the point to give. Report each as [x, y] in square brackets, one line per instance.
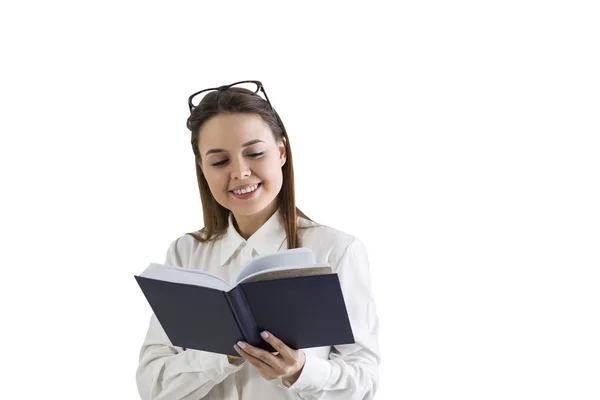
[253, 155]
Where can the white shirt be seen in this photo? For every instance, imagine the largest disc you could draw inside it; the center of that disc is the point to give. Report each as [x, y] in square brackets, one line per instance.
[346, 372]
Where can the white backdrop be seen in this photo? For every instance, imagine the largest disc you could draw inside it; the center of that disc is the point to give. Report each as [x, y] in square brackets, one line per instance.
[458, 140]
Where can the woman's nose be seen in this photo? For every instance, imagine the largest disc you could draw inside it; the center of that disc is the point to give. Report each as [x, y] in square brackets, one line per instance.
[239, 169]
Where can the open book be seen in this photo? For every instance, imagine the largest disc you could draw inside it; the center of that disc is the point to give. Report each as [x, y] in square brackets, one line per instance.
[288, 293]
[283, 264]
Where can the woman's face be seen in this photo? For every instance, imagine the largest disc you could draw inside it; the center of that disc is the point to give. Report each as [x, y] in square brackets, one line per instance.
[239, 151]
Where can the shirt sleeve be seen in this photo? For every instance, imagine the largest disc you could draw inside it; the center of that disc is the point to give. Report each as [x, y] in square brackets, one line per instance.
[352, 369]
[167, 372]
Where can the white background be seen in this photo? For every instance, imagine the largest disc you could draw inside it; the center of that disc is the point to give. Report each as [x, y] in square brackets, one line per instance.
[458, 140]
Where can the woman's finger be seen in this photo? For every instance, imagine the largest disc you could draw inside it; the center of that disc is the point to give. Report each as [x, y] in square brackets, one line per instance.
[235, 360]
[283, 349]
[263, 367]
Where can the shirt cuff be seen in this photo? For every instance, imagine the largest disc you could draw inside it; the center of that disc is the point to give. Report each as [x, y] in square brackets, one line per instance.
[314, 375]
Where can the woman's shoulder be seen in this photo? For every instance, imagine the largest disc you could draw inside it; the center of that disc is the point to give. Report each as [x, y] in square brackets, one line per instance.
[322, 230]
[188, 246]
[327, 242]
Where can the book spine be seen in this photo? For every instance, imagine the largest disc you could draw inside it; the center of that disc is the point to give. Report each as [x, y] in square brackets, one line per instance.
[243, 315]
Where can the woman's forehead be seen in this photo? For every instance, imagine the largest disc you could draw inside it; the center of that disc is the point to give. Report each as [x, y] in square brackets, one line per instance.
[233, 131]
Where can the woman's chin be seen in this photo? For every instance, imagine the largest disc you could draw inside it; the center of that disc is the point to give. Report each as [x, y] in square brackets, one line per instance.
[249, 208]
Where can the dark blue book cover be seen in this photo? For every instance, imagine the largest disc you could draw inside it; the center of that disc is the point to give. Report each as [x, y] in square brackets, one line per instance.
[304, 312]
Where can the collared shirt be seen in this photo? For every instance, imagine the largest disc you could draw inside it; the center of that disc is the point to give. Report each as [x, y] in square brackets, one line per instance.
[346, 372]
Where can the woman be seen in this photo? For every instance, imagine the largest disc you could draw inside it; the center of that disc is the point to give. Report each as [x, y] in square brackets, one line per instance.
[246, 182]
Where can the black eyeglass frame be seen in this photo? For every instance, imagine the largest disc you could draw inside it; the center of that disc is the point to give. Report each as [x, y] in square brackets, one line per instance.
[258, 84]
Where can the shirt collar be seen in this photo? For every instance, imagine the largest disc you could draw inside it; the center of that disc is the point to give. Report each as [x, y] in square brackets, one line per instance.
[266, 240]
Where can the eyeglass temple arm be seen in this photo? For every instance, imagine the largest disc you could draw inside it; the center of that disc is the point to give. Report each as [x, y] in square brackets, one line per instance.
[266, 97]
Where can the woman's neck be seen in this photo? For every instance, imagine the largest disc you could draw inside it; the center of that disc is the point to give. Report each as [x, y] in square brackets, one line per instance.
[247, 225]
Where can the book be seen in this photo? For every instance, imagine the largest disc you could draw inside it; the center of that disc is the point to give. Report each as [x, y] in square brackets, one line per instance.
[287, 293]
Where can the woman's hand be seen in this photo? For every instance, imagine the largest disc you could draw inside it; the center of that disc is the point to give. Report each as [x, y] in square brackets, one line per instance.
[287, 365]
[235, 360]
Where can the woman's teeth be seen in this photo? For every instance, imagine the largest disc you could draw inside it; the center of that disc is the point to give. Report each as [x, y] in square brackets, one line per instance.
[247, 190]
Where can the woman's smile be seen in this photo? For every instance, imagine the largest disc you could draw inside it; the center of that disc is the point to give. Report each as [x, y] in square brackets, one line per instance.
[247, 193]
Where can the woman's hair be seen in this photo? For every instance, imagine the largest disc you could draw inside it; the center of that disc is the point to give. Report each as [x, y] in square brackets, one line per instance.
[235, 101]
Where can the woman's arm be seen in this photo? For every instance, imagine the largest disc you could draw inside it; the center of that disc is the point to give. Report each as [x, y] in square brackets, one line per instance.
[352, 369]
[168, 372]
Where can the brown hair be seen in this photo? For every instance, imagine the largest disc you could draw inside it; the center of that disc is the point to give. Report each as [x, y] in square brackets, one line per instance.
[232, 101]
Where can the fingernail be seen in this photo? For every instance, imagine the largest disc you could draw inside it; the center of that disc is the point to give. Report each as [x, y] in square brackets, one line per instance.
[235, 346]
[242, 345]
[264, 334]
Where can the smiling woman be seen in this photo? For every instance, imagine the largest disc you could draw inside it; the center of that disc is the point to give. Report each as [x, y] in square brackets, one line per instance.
[239, 152]
[245, 177]
[236, 132]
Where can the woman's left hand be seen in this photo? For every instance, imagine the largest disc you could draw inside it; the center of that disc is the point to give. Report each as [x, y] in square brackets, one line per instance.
[287, 365]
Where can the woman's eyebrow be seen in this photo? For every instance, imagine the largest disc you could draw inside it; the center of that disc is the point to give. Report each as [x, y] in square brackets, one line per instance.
[250, 143]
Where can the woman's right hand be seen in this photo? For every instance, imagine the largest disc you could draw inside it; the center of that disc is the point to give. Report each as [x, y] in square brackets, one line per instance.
[235, 360]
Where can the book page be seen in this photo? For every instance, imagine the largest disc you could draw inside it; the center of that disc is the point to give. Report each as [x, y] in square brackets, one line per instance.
[288, 272]
[301, 257]
[187, 276]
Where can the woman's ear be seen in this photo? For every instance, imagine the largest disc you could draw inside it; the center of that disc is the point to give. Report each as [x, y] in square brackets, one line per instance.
[282, 152]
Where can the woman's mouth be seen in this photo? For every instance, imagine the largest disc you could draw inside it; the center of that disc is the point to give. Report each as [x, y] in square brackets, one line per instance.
[246, 193]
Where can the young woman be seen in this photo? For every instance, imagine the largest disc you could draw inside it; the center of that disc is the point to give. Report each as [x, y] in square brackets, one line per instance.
[246, 182]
